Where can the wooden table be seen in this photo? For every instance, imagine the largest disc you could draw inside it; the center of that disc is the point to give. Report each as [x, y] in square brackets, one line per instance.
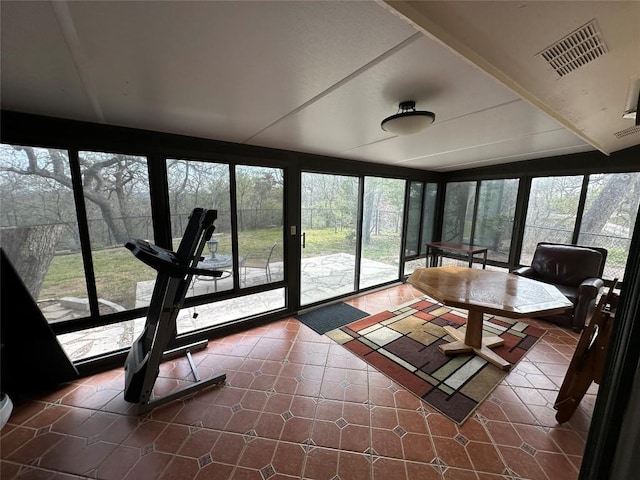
[460, 248]
[486, 291]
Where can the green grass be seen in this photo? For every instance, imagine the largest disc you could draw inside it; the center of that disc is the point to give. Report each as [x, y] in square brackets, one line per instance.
[327, 241]
[118, 271]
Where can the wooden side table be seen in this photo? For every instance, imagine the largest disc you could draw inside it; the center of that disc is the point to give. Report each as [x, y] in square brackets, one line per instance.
[470, 251]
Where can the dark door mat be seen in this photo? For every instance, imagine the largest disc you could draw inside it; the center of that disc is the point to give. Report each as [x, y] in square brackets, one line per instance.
[330, 317]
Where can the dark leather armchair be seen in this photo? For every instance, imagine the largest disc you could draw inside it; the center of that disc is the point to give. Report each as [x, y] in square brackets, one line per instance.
[574, 270]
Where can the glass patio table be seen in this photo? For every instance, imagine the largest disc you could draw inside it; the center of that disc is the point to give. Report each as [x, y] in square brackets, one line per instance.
[217, 261]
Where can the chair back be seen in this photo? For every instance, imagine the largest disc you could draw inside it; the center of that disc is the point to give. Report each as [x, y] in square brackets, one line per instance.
[568, 264]
[273, 247]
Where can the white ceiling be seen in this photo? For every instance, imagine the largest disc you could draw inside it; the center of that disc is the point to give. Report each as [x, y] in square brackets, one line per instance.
[319, 76]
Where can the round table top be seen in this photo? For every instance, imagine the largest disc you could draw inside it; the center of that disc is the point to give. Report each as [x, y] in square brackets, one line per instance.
[217, 260]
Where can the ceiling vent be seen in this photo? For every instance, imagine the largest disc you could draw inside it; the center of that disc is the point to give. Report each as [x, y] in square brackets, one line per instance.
[627, 131]
[575, 50]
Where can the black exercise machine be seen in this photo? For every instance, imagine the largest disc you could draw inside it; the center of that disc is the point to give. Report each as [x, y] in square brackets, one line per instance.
[175, 271]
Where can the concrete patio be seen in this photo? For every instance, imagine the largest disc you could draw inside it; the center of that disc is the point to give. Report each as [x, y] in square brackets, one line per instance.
[323, 277]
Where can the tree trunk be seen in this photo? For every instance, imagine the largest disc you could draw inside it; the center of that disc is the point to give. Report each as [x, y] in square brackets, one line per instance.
[606, 203]
[120, 234]
[31, 250]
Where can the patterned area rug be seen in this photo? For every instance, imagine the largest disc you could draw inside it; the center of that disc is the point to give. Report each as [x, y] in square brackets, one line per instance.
[403, 344]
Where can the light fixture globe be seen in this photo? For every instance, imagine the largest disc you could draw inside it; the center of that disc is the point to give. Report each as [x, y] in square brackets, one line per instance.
[212, 243]
[408, 120]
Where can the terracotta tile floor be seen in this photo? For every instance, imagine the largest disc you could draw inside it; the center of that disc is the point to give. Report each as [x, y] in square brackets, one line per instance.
[296, 405]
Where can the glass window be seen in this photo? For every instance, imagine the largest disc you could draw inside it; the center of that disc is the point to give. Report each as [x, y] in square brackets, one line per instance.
[91, 342]
[383, 210]
[551, 213]
[260, 193]
[422, 202]
[104, 339]
[609, 217]
[428, 214]
[458, 212]
[214, 314]
[194, 184]
[260, 200]
[494, 219]
[412, 246]
[118, 204]
[39, 229]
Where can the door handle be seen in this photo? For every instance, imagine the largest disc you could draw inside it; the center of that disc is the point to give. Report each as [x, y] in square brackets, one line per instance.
[304, 239]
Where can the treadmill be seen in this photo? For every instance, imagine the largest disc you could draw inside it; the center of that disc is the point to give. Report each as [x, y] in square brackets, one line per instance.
[174, 273]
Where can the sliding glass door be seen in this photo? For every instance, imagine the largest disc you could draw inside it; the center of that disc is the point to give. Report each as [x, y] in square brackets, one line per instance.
[329, 211]
[338, 258]
[383, 211]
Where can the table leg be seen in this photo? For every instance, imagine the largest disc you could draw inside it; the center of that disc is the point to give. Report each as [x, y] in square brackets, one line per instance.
[473, 337]
[472, 341]
[431, 257]
[484, 262]
[471, 260]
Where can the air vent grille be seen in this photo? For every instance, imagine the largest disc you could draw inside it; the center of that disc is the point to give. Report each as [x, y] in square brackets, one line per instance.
[575, 50]
[627, 131]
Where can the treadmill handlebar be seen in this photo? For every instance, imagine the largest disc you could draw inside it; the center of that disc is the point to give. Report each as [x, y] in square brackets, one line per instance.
[165, 261]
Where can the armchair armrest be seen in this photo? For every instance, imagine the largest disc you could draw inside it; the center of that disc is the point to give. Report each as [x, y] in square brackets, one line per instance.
[524, 272]
[586, 302]
[590, 287]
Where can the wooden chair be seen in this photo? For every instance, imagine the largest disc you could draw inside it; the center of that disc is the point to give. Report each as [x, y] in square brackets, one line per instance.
[258, 260]
[589, 357]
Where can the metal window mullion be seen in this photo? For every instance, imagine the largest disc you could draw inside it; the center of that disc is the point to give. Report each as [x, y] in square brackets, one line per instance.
[519, 223]
[159, 198]
[405, 226]
[356, 277]
[475, 213]
[233, 214]
[83, 232]
[580, 212]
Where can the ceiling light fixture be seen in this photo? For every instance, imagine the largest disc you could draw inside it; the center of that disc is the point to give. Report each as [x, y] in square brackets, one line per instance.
[633, 101]
[629, 115]
[408, 120]
[633, 114]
